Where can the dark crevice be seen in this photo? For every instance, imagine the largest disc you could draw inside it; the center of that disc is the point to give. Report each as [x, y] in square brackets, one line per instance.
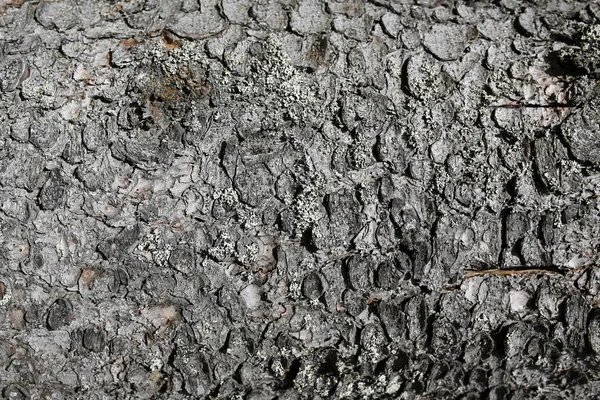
[291, 375]
[503, 234]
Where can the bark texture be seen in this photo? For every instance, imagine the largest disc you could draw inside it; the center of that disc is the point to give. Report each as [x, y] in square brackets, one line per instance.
[299, 199]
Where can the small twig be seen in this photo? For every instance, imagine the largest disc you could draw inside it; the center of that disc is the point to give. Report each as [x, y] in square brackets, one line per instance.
[531, 105]
[469, 273]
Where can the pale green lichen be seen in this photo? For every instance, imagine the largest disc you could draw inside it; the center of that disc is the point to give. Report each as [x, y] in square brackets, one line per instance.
[224, 248]
[585, 55]
[277, 81]
[307, 204]
[152, 247]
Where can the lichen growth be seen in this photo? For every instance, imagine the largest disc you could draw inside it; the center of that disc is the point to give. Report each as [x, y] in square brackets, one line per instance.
[307, 203]
[171, 75]
[585, 55]
[153, 247]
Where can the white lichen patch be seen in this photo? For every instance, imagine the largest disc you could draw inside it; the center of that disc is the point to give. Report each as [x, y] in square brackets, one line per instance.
[224, 248]
[6, 293]
[156, 364]
[228, 197]
[152, 247]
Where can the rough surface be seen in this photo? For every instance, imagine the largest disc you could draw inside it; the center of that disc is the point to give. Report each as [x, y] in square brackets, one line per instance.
[299, 199]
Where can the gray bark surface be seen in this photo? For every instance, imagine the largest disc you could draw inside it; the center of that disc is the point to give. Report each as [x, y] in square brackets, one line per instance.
[299, 199]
